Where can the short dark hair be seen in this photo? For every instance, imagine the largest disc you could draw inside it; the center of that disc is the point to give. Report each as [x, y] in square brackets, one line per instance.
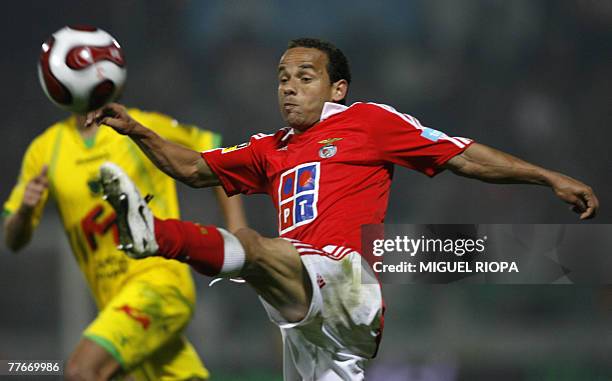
[337, 63]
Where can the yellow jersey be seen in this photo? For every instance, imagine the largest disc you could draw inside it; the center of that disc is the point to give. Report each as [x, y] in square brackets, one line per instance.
[73, 167]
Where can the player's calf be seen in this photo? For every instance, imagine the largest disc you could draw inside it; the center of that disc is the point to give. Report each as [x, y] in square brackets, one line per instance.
[272, 266]
[208, 249]
[274, 269]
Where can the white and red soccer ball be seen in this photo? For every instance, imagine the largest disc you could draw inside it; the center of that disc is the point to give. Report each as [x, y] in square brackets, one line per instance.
[81, 68]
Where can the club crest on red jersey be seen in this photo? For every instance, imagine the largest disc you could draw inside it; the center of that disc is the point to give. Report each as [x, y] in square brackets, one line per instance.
[329, 149]
[298, 192]
[329, 141]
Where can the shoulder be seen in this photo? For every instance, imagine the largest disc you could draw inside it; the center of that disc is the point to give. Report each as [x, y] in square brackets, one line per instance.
[48, 138]
[163, 123]
[368, 112]
[272, 140]
[259, 142]
[371, 108]
[381, 113]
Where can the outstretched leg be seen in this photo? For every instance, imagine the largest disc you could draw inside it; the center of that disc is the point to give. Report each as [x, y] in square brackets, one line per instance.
[272, 266]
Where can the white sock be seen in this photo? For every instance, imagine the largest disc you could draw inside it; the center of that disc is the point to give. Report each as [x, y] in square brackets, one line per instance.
[234, 255]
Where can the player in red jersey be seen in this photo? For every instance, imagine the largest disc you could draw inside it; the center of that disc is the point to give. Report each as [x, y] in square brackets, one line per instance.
[328, 173]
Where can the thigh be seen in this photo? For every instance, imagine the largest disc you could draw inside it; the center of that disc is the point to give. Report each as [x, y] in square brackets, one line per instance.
[305, 360]
[274, 269]
[178, 360]
[139, 321]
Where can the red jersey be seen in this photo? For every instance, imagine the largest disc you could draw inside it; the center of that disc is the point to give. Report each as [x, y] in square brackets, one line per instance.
[335, 177]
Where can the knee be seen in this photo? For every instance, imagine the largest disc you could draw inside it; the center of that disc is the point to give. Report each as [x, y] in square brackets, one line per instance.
[81, 367]
[255, 246]
[76, 371]
[264, 252]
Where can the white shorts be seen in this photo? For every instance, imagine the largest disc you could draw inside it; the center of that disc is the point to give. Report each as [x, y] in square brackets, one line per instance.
[343, 325]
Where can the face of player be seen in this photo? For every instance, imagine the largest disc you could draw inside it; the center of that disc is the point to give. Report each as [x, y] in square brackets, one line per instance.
[304, 87]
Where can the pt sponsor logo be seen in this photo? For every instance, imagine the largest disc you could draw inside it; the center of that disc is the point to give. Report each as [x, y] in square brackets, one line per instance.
[298, 192]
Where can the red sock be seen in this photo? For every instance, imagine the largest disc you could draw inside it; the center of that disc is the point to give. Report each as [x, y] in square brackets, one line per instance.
[200, 246]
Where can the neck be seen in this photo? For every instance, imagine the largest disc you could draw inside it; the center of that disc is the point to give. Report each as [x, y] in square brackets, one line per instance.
[85, 131]
[301, 129]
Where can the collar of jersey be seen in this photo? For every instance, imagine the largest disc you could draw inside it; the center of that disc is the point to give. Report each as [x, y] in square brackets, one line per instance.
[329, 109]
[88, 143]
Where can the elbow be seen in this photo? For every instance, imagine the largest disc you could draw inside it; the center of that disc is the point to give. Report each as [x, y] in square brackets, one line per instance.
[14, 249]
[187, 175]
[11, 241]
[198, 175]
[199, 182]
[463, 168]
[13, 246]
[193, 179]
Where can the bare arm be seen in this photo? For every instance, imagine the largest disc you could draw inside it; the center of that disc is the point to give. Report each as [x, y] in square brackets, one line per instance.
[18, 226]
[493, 166]
[176, 161]
[18, 230]
[232, 210]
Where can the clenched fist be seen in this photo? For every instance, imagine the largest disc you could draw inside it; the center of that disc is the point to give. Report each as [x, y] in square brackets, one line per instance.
[579, 195]
[35, 190]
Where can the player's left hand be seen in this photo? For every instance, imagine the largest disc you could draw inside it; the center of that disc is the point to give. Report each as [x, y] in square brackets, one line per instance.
[113, 115]
[579, 195]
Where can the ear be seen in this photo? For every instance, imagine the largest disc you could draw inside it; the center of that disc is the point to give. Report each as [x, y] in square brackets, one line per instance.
[339, 90]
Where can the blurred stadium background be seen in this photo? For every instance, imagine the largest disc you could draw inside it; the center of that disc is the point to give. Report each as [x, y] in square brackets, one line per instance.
[532, 78]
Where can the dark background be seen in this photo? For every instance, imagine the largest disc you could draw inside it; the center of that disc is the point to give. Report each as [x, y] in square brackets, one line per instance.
[532, 78]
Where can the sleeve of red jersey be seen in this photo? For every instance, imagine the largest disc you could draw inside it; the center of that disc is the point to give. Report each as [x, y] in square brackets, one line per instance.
[401, 139]
[238, 168]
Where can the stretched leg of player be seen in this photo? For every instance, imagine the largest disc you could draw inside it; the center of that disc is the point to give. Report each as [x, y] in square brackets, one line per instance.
[89, 361]
[272, 266]
[274, 269]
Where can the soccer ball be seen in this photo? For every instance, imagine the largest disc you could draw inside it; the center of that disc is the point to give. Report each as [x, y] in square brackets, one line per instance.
[81, 68]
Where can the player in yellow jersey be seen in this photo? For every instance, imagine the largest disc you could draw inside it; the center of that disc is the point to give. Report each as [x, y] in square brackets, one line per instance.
[144, 305]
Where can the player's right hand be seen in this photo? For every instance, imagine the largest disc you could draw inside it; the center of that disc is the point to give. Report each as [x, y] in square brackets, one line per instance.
[579, 195]
[35, 189]
[113, 115]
